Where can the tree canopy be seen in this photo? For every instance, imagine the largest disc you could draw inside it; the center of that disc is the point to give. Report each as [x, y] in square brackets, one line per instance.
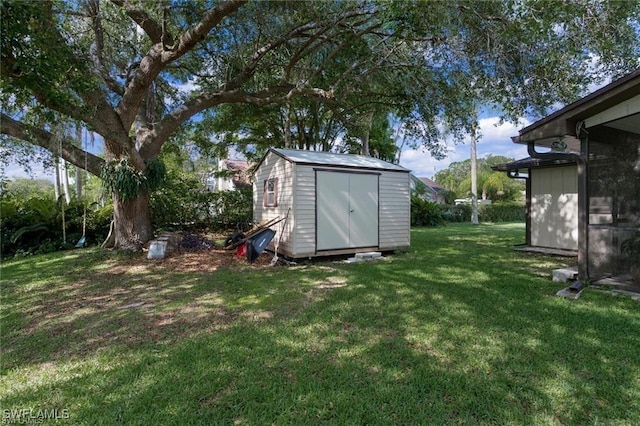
[143, 74]
[496, 186]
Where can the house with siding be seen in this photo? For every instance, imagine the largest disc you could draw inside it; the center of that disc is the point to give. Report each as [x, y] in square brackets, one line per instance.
[551, 202]
[428, 189]
[584, 177]
[332, 203]
[229, 176]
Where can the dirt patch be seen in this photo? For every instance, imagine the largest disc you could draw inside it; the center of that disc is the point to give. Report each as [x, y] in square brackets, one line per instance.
[208, 260]
[200, 253]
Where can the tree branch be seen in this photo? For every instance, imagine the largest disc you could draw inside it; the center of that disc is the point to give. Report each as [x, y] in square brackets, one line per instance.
[272, 95]
[106, 122]
[250, 68]
[157, 58]
[97, 48]
[149, 25]
[315, 41]
[36, 136]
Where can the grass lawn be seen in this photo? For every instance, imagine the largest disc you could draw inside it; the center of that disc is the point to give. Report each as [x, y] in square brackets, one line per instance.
[458, 329]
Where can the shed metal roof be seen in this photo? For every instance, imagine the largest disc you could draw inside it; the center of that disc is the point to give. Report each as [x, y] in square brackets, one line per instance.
[334, 159]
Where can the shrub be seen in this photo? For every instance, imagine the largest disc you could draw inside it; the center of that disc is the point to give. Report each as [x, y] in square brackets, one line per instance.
[425, 213]
[234, 209]
[175, 205]
[34, 225]
[456, 214]
[29, 223]
[502, 212]
[185, 203]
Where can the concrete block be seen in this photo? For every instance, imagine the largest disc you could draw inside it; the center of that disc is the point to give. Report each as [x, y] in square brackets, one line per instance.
[157, 249]
[564, 275]
[368, 255]
[569, 293]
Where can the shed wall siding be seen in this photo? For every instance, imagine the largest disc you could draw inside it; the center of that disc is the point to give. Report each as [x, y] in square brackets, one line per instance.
[274, 166]
[395, 211]
[305, 195]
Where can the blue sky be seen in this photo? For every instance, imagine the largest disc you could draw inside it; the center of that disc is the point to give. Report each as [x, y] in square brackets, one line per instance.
[495, 140]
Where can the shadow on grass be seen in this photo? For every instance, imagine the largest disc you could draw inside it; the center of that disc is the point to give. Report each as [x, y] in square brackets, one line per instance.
[454, 331]
[83, 302]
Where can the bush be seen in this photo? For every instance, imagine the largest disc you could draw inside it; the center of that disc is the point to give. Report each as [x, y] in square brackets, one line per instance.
[234, 209]
[34, 225]
[457, 214]
[175, 205]
[502, 212]
[184, 203]
[425, 213]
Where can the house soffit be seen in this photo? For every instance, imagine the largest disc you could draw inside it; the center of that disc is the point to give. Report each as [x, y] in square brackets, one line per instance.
[531, 163]
[623, 116]
[564, 122]
[629, 124]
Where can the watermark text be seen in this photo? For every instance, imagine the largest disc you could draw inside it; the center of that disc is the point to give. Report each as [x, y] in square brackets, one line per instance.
[16, 416]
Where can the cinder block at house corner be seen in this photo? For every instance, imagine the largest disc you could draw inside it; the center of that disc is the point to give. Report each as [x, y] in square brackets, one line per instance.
[564, 275]
[569, 293]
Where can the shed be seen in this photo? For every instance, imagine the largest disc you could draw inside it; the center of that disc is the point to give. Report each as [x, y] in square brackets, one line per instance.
[551, 202]
[334, 203]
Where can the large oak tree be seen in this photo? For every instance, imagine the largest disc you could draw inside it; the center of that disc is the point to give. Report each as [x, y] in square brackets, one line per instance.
[139, 72]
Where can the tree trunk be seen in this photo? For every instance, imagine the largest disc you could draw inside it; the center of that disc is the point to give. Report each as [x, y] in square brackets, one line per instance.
[474, 178]
[132, 219]
[64, 176]
[368, 122]
[56, 170]
[287, 127]
[78, 183]
[78, 170]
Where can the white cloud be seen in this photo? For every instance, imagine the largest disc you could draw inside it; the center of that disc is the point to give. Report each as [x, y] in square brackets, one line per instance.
[495, 140]
[188, 86]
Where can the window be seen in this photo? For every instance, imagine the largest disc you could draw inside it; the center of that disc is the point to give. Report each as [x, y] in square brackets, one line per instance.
[270, 192]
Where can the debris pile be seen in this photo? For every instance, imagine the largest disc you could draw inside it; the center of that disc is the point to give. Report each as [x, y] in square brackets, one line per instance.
[191, 242]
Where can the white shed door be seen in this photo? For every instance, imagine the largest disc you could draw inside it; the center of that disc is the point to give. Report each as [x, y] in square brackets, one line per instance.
[347, 210]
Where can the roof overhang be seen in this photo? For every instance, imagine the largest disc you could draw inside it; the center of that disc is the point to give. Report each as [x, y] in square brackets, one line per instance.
[530, 163]
[617, 104]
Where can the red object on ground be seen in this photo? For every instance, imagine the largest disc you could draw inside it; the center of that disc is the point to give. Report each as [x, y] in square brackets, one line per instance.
[241, 251]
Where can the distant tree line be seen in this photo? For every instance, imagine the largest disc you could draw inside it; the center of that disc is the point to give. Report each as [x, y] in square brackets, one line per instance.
[492, 185]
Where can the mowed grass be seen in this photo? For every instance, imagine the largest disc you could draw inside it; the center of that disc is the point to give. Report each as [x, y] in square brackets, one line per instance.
[460, 329]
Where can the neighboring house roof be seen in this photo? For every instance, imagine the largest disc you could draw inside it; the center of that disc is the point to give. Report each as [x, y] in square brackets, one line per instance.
[238, 165]
[432, 184]
[565, 121]
[240, 176]
[428, 189]
[530, 163]
[333, 159]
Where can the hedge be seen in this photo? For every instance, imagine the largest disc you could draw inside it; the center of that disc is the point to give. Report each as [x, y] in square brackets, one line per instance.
[502, 212]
